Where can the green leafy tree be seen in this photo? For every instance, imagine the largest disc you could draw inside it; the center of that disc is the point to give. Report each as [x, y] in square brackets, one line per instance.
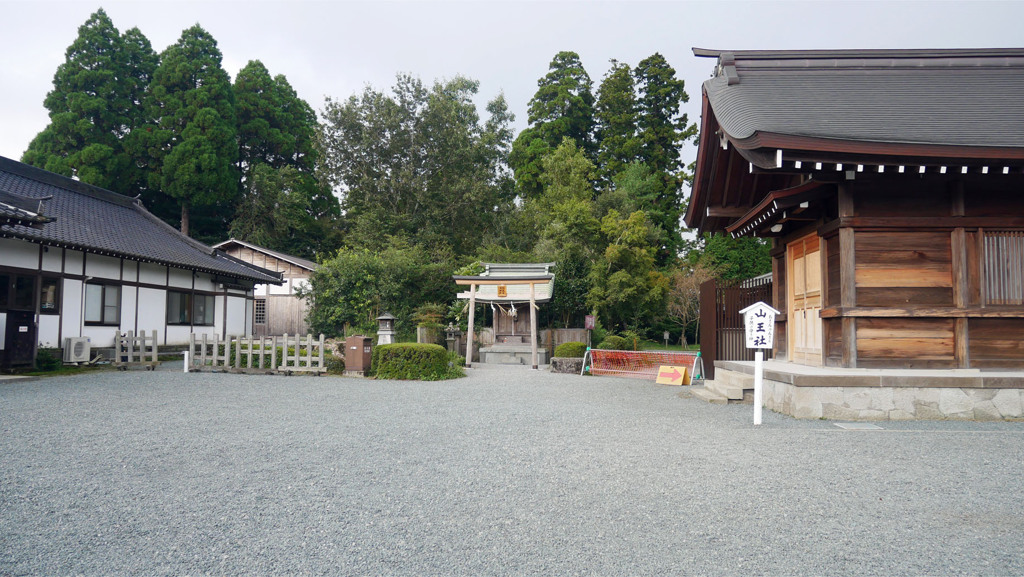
[416, 162]
[354, 287]
[93, 107]
[193, 143]
[627, 291]
[278, 211]
[616, 117]
[563, 106]
[732, 258]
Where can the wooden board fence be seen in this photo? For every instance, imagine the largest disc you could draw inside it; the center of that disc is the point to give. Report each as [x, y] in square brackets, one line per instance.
[284, 354]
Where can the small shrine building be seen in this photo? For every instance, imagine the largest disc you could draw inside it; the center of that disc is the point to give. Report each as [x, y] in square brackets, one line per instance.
[514, 292]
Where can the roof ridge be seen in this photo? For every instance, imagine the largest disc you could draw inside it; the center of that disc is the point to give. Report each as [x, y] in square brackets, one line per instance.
[53, 179]
[861, 53]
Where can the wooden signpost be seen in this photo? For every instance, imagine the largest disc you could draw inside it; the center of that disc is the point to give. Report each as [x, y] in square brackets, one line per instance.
[759, 321]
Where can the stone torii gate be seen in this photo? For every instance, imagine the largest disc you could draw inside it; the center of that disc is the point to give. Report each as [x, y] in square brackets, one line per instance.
[508, 284]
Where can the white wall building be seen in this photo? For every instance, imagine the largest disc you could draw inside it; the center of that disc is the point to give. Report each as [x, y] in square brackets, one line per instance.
[79, 261]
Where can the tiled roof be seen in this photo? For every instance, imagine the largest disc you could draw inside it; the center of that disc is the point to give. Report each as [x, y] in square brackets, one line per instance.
[102, 222]
[967, 98]
[298, 261]
[19, 210]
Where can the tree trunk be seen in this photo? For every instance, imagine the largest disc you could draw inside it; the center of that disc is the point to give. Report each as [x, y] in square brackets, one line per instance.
[184, 218]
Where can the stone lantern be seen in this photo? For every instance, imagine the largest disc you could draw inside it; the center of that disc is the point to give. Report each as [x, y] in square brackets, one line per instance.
[386, 329]
[452, 334]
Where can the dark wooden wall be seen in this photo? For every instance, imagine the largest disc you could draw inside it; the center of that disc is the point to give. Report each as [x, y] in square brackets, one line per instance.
[903, 274]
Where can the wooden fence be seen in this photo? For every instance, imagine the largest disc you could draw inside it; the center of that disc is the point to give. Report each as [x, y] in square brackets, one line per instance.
[285, 354]
[135, 350]
[722, 336]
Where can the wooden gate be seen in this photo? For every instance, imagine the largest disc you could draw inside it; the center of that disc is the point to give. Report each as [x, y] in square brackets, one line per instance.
[721, 324]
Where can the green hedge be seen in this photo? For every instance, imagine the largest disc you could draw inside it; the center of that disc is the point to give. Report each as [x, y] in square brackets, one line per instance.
[614, 343]
[415, 361]
[571, 350]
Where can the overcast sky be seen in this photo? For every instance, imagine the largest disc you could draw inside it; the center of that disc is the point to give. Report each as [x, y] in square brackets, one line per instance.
[335, 48]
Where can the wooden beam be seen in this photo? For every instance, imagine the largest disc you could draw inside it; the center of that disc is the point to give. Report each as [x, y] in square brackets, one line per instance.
[480, 281]
[469, 338]
[1014, 312]
[533, 326]
[727, 211]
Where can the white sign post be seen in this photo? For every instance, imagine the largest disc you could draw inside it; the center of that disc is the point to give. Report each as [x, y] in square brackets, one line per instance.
[759, 321]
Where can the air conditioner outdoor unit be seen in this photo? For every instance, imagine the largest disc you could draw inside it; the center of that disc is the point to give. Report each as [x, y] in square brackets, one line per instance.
[77, 350]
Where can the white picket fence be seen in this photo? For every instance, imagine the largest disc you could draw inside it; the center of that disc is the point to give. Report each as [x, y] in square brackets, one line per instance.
[256, 354]
[131, 349]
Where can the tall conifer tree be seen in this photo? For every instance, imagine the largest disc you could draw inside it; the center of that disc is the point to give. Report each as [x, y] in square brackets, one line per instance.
[562, 107]
[94, 106]
[193, 142]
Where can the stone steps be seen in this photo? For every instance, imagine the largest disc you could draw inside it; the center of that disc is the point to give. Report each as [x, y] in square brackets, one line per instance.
[708, 396]
[734, 387]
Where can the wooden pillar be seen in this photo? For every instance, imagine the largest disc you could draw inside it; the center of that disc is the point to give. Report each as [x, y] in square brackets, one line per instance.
[469, 331]
[533, 324]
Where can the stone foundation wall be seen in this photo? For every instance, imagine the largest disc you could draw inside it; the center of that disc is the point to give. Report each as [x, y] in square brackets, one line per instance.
[893, 403]
[567, 365]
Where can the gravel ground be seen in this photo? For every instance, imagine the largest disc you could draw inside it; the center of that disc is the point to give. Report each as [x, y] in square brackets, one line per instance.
[507, 472]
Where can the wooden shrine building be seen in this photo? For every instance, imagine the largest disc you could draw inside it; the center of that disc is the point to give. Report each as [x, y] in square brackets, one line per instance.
[891, 186]
[514, 292]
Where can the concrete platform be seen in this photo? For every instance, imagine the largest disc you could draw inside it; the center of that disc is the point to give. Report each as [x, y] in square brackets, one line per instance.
[880, 394]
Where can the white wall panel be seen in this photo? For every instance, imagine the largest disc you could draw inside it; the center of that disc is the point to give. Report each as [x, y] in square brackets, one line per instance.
[52, 259]
[103, 267]
[150, 273]
[128, 299]
[130, 271]
[71, 308]
[3, 329]
[100, 336]
[18, 253]
[204, 282]
[49, 332]
[180, 278]
[152, 309]
[72, 262]
[237, 316]
[178, 335]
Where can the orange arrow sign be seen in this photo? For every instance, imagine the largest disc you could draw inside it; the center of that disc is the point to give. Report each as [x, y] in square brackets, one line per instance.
[669, 375]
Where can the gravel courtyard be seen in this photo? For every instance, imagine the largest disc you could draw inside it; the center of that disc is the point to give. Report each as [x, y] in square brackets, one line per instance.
[506, 472]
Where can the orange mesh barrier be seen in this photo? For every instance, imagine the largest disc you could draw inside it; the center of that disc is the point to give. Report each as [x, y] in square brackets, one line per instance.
[641, 364]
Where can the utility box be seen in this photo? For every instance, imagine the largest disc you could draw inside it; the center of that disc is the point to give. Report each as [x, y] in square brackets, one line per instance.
[358, 355]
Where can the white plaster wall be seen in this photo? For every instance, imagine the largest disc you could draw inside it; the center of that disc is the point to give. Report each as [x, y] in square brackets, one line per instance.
[248, 317]
[131, 271]
[3, 330]
[128, 300]
[261, 290]
[18, 253]
[279, 290]
[152, 310]
[299, 283]
[152, 273]
[100, 336]
[180, 278]
[237, 324]
[71, 308]
[72, 262]
[178, 335]
[103, 267]
[204, 282]
[49, 331]
[52, 258]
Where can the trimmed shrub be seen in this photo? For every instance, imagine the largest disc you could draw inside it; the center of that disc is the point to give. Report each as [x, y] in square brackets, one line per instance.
[571, 350]
[415, 361]
[48, 360]
[614, 343]
[335, 364]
